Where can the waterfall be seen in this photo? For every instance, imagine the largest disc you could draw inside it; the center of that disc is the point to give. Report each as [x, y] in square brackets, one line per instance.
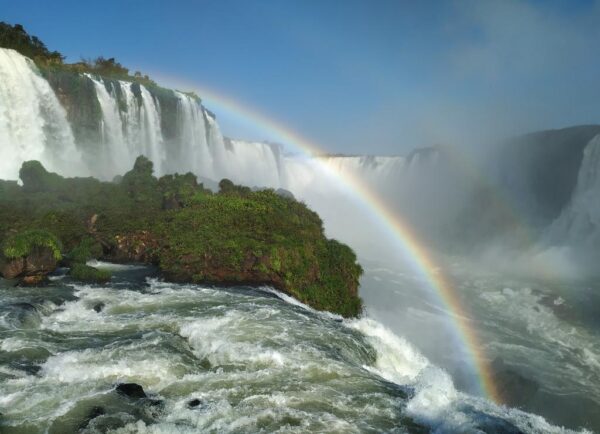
[151, 130]
[33, 125]
[579, 223]
[112, 152]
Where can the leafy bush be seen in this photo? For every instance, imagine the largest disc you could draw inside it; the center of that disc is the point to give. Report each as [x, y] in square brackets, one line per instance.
[21, 244]
[85, 273]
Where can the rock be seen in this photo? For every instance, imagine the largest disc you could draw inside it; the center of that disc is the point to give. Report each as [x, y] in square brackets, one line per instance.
[98, 307]
[194, 403]
[94, 412]
[33, 280]
[131, 390]
[134, 247]
[40, 260]
[11, 268]
[29, 258]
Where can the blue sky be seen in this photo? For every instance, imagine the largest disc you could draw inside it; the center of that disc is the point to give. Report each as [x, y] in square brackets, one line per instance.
[369, 76]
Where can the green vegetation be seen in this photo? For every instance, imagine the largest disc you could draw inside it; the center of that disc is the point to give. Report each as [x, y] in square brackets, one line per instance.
[86, 273]
[87, 249]
[236, 236]
[21, 244]
[17, 38]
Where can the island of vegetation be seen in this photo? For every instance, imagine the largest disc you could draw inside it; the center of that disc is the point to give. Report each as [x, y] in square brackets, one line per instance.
[234, 237]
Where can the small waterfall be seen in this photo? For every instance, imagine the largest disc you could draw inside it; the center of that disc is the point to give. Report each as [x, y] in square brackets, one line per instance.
[151, 130]
[33, 124]
[193, 153]
[113, 153]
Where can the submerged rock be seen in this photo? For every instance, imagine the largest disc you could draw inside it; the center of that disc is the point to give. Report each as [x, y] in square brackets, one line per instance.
[131, 390]
[99, 307]
[194, 403]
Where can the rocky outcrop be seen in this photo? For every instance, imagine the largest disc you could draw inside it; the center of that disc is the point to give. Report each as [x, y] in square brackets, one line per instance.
[30, 269]
[139, 246]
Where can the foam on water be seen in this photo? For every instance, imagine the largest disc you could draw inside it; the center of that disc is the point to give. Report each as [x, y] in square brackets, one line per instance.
[255, 362]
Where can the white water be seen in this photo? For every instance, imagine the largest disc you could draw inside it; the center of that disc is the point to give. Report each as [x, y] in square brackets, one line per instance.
[33, 125]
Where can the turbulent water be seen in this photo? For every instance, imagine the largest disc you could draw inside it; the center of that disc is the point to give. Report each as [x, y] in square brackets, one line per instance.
[255, 360]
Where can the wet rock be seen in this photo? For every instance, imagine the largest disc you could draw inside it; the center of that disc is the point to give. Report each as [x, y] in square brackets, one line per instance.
[98, 307]
[40, 261]
[32, 269]
[11, 268]
[34, 280]
[194, 403]
[131, 390]
[95, 412]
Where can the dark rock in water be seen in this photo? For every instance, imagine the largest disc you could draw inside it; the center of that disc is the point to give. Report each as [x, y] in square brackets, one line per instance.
[194, 403]
[95, 412]
[513, 388]
[34, 280]
[98, 307]
[32, 267]
[26, 366]
[131, 390]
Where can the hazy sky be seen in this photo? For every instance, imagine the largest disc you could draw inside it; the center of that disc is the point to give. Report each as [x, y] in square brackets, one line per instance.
[369, 76]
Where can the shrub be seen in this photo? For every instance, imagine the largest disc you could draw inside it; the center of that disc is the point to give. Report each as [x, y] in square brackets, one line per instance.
[85, 273]
[21, 244]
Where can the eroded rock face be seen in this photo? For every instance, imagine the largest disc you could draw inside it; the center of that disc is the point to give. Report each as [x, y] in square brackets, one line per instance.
[11, 268]
[136, 247]
[40, 261]
[32, 268]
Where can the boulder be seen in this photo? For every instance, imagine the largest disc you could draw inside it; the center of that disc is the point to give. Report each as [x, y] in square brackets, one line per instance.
[32, 268]
[11, 268]
[40, 261]
[131, 390]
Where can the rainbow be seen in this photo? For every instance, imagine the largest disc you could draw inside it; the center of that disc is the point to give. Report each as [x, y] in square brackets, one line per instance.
[399, 230]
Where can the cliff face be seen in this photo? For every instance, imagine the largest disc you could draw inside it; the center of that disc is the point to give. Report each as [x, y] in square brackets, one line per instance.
[539, 170]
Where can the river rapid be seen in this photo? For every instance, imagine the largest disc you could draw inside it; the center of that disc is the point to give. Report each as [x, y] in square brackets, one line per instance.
[217, 360]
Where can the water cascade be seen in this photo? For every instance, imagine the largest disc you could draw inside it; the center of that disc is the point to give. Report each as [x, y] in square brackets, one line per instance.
[33, 125]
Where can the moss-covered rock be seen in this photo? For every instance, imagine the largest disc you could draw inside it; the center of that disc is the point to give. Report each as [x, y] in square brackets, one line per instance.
[237, 236]
[30, 254]
[85, 273]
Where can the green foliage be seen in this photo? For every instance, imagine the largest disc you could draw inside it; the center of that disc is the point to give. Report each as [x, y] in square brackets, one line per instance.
[87, 249]
[18, 39]
[235, 236]
[36, 178]
[85, 273]
[21, 244]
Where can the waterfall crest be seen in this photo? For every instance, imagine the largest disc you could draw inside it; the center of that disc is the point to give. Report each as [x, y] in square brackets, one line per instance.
[579, 223]
[33, 124]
